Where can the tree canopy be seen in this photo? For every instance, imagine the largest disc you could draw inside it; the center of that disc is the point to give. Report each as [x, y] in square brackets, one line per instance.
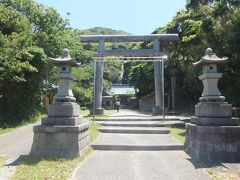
[29, 34]
[203, 24]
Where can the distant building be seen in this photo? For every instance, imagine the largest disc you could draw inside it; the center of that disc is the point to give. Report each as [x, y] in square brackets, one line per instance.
[124, 92]
[122, 89]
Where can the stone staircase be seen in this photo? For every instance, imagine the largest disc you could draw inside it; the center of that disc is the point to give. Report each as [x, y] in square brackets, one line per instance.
[136, 134]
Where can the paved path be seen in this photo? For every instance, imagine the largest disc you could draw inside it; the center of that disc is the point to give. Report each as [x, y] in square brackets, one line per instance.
[129, 115]
[139, 165]
[128, 150]
[18, 142]
[13, 145]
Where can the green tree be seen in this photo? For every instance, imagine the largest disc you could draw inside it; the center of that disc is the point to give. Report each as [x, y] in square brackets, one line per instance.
[29, 34]
[204, 23]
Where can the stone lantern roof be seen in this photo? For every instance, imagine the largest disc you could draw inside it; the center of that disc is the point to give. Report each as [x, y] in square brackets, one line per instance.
[65, 59]
[210, 58]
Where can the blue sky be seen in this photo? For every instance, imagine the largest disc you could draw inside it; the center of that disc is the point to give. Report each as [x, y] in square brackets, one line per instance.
[133, 16]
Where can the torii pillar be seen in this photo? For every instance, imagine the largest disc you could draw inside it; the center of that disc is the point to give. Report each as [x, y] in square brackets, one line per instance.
[99, 80]
[158, 82]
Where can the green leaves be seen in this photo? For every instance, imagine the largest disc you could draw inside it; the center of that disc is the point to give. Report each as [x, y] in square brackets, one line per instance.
[205, 23]
[139, 73]
[29, 34]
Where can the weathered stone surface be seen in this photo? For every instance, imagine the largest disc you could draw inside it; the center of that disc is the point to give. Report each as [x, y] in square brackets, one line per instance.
[158, 111]
[213, 143]
[129, 38]
[64, 141]
[99, 84]
[213, 109]
[68, 121]
[214, 98]
[98, 111]
[210, 81]
[63, 109]
[214, 121]
[158, 84]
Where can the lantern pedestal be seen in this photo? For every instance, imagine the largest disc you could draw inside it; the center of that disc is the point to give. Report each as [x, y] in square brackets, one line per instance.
[60, 141]
[159, 111]
[213, 143]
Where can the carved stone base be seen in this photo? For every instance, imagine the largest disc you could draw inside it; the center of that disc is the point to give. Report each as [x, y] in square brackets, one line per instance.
[218, 121]
[60, 141]
[213, 109]
[213, 143]
[158, 111]
[99, 111]
[61, 121]
[63, 109]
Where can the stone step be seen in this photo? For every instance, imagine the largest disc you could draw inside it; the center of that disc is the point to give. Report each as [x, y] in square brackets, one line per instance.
[134, 130]
[136, 119]
[136, 142]
[141, 123]
[137, 148]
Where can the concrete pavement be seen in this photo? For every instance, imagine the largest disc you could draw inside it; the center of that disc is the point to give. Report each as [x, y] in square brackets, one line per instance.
[17, 142]
[128, 150]
[13, 145]
[139, 165]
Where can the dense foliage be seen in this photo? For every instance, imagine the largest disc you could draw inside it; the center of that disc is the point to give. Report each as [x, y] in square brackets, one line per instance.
[29, 34]
[208, 23]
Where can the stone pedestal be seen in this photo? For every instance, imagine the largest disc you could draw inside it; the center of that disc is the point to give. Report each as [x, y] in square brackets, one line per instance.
[213, 143]
[64, 109]
[158, 111]
[98, 111]
[60, 141]
[214, 114]
[63, 133]
[213, 134]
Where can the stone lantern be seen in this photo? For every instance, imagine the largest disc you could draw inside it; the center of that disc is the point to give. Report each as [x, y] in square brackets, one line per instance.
[64, 102]
[212, 102]
[63, 132]
[65, 78]
[213, 133]
[210, 77]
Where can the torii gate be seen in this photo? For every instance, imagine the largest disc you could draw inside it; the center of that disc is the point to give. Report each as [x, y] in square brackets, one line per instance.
[155, 51]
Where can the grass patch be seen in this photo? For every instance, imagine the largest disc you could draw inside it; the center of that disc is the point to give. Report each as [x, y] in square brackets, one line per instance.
[32, 119]
[93, 131]
[84, 112]
[221, 175]
[178, 133]
[34, 168]
[110, 112]
[3, 160]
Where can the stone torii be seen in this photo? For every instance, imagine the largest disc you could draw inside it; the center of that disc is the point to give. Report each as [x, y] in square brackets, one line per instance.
[102, 52]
